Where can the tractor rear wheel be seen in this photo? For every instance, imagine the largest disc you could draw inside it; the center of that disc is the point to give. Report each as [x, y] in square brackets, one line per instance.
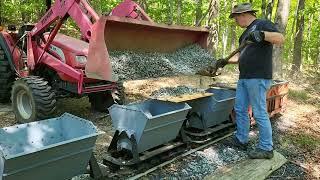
[7, 77]
[32, 99]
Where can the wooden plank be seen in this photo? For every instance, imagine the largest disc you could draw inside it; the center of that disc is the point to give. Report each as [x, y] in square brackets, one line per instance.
[250, 169]
[184, 97]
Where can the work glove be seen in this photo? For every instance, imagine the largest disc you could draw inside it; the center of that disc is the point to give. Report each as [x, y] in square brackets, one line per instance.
[256, 36]
[221, 63]
[211, 70]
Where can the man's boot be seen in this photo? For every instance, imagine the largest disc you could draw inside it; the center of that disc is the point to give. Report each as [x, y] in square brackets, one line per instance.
[260, 154]
[237, 144]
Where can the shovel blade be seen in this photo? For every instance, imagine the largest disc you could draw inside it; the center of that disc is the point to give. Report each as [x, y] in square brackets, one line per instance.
[210, 71]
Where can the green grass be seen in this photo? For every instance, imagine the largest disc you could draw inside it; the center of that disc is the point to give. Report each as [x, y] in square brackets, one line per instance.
[298, 95]
[305, 141]
[79, 107]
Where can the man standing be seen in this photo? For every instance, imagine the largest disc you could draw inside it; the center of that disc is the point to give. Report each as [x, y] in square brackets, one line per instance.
[255, 65]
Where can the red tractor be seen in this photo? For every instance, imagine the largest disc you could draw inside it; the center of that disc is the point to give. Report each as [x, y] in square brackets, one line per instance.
[38, 64]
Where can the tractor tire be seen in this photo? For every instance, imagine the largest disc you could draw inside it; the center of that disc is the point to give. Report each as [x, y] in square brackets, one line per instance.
[101, 101]
[32, 99]
[7, 77]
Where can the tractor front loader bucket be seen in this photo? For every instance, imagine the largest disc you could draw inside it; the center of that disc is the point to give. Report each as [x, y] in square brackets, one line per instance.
[119, 33]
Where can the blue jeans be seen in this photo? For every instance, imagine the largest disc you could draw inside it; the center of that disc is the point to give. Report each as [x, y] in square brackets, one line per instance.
[253, 92]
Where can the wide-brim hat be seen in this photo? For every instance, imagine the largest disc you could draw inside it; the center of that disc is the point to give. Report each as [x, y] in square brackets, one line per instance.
[241, 8]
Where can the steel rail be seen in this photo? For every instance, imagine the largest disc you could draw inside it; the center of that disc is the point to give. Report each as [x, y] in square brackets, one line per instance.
[178, 157]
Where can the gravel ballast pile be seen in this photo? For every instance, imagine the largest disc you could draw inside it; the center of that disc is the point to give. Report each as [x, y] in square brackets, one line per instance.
[201, 163]
[175, 91]
[130, 65]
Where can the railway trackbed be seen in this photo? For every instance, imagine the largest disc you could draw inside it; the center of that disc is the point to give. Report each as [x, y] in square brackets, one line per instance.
[157, 162]
[137, 176]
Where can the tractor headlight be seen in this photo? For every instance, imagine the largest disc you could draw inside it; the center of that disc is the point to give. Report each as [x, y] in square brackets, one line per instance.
[81, 59]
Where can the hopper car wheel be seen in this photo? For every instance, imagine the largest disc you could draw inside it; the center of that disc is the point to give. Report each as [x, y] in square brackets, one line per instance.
[112, 167]
[7, 77]
[32, 99]
[232, 116]
[100, 101]
[119, 94]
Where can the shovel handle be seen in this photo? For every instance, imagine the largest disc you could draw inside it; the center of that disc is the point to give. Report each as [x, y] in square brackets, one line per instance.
[243, 45]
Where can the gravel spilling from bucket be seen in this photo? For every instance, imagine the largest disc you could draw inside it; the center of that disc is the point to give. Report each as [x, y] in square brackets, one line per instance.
[175, 91]
[130, 65]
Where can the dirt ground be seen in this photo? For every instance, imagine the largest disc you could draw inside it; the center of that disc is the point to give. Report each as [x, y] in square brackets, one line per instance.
[299, 125]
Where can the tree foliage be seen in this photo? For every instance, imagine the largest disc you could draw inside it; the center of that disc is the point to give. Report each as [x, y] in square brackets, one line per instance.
[188, 12]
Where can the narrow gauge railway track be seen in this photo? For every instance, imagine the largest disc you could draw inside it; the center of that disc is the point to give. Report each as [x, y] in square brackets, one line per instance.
[145, 167]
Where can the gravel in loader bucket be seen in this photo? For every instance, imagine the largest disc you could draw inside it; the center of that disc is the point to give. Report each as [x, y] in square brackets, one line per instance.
[135, 49]
[130, 65]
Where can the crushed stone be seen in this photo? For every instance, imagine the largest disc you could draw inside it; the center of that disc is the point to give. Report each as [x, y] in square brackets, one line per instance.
[129, 65]
[175, 91]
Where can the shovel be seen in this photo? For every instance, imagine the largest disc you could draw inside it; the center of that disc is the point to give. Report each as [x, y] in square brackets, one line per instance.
[212, 70]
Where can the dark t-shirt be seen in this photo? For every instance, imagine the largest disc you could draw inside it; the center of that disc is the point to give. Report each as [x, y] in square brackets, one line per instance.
[255, 60]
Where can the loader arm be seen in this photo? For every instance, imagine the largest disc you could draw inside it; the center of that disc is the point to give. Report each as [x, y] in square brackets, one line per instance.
[78, 10]
[83, 14]
[61, 10]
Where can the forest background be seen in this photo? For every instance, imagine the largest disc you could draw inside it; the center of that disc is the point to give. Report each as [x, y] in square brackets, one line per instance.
[298, 20]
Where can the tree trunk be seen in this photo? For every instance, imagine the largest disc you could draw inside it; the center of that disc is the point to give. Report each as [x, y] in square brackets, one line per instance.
[224, 33]
[213, 35]
[144, 5]
[309, 39]
[317, 61]
[170, 12]
[213, 39]
[281, 22]
[233, 32]
[48, 4]
[179, 10]
[298, 40]
[213, 10]
[293, 30]
[263, 8]
[205, 14]
[269, 9]
[1, 13]
[198, 12]
[24, 17]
